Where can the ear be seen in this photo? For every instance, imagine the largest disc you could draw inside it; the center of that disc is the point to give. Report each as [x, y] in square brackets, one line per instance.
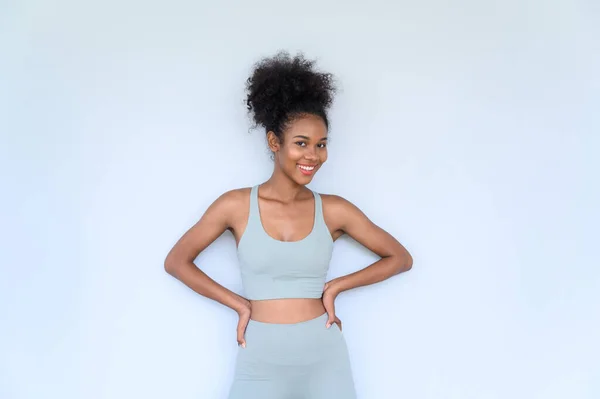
[273, 141]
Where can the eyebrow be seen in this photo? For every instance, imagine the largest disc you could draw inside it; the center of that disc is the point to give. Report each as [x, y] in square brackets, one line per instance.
[307, 138]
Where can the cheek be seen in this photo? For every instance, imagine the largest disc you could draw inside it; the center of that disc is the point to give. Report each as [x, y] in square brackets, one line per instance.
[323, 155]
[293, 154]
[289, 156]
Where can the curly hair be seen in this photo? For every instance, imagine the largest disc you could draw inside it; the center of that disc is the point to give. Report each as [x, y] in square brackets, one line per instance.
[282, 88]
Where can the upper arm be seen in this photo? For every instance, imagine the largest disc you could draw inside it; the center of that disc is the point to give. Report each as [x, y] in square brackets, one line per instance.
[216, 219]
[346, 217]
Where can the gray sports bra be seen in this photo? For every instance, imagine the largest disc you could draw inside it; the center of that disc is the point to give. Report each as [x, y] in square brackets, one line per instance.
[273, 269]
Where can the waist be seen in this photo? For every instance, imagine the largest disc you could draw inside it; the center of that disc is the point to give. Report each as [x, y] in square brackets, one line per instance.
[287, 310]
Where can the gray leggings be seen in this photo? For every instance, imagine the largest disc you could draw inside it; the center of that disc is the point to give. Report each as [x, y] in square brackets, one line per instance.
[293, 361]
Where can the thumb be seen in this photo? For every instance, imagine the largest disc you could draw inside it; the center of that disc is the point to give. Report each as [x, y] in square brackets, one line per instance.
[240, 339]
[241, 329]
[330, 320]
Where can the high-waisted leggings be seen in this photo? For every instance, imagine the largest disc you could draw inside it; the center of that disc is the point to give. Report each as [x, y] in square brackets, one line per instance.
[302, 360]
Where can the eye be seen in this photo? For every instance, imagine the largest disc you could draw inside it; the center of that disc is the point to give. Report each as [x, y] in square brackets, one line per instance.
[322, 145]
[300, 143]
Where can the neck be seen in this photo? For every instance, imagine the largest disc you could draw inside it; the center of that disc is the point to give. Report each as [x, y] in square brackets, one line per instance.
[281, 187]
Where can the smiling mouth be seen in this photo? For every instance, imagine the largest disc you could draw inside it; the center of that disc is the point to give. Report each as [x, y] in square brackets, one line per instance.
[307, 169]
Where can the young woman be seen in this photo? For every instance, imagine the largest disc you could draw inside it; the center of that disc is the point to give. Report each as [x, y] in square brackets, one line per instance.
[284, 234]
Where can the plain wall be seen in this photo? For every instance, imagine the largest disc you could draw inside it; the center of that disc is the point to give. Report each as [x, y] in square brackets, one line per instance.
[468, 130]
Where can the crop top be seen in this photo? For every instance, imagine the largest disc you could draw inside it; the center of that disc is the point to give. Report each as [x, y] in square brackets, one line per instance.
[274, 269]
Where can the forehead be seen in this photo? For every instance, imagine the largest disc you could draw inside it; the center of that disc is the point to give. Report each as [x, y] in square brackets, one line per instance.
[310, 125]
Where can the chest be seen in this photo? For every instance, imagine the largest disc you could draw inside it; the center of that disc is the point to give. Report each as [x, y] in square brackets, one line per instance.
[262, 255]
[287, 222]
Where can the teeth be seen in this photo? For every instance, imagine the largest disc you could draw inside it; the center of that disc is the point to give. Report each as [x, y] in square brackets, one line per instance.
[306, 167]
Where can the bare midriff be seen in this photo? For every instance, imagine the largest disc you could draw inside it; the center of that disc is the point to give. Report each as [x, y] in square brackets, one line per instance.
[286, 311]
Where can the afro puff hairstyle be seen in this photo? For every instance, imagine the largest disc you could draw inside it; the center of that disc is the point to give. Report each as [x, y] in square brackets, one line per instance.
[282, 88]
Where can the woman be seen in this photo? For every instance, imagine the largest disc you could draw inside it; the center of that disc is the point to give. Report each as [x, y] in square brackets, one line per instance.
[284, 234]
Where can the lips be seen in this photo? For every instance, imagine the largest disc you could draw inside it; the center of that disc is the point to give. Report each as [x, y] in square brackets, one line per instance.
[306, 170]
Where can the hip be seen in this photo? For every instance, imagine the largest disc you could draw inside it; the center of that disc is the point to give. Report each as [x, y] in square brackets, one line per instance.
[293, 344]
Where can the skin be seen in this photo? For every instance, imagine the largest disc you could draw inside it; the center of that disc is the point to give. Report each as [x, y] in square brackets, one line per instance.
[286, 212]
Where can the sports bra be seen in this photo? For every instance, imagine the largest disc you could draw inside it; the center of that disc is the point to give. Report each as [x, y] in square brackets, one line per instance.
[274, 269]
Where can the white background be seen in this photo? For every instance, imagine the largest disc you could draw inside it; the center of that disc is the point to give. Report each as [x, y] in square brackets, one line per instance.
[468, 130]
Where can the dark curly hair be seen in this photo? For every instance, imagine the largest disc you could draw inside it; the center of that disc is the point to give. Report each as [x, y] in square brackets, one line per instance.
[282, 88]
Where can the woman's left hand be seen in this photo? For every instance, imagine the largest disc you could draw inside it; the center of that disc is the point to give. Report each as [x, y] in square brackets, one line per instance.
[329, 295]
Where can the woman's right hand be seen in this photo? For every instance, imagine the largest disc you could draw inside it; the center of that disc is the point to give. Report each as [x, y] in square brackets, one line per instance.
[244, 317]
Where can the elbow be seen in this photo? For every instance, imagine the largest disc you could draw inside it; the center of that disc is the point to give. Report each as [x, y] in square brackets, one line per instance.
[171, 265]
[405, 264]
[177, 262]
[408, 262]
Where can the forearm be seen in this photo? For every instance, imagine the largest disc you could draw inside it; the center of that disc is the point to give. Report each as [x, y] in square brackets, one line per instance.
[201, 283]
[374, 273]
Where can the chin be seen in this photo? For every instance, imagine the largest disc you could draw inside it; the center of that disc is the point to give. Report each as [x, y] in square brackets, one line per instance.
[301, 178]
[304, 181]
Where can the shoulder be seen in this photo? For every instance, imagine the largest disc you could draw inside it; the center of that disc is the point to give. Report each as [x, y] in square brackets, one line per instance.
[337, 205]
[230, 206]
[335, 201]
[339, 212]
[235, 194]
[233, 198]
[345, 216]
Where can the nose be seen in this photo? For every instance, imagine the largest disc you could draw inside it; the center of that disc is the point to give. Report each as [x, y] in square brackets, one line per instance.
[311, 154]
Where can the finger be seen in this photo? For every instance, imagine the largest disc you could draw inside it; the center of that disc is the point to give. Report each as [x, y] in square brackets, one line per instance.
[330, 315]
[240, 337]
[330, 320]
[241, 342]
